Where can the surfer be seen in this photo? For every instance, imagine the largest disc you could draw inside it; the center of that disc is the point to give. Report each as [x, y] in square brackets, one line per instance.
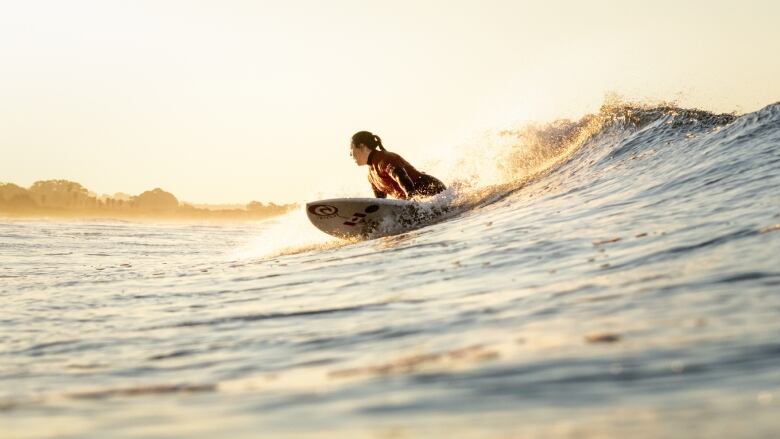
[388, 172]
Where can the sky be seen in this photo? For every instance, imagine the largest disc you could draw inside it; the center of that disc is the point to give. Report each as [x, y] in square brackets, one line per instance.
[229, 101]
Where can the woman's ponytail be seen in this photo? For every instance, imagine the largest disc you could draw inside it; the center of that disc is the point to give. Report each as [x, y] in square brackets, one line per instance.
[379, 143]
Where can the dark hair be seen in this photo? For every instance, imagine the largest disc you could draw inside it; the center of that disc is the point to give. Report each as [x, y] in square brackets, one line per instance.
[372, 141]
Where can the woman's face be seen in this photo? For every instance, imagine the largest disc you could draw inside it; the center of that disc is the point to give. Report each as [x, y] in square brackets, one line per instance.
[359, 154]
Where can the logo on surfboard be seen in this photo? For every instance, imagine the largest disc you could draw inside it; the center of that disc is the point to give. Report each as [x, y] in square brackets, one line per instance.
[323, 210]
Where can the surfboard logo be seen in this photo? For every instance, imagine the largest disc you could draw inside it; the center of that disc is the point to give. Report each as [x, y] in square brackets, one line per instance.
[357, 218]
[323, 210]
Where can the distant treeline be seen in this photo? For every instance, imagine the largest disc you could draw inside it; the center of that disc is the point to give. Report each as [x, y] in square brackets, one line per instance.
[70, 199]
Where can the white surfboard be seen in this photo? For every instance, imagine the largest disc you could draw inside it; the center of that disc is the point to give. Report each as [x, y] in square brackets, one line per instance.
[367, 217]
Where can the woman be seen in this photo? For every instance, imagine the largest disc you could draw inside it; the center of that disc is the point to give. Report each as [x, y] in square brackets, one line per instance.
[389, 173]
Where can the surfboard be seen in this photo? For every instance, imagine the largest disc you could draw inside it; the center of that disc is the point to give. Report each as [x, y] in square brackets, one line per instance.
[366, 217]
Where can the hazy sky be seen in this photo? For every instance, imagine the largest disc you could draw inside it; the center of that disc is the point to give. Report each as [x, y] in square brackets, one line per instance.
[232, 101]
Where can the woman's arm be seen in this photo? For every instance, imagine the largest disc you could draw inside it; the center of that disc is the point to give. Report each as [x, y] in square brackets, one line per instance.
[377, 192]
[400, 176]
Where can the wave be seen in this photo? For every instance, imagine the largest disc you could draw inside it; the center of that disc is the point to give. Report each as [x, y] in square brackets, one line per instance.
[502, 162]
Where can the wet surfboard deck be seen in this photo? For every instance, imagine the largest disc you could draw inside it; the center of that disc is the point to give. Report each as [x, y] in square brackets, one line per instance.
[365, 218]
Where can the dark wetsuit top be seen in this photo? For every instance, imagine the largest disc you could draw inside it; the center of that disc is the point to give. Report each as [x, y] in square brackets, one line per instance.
[390, 174]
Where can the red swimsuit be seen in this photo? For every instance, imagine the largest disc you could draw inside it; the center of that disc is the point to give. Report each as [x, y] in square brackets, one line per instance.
[383, 165]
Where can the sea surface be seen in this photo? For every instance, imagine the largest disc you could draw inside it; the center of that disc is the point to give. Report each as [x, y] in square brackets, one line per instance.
[614, 276]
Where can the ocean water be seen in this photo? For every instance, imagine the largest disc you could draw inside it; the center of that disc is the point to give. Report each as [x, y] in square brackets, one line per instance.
[616, 276]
